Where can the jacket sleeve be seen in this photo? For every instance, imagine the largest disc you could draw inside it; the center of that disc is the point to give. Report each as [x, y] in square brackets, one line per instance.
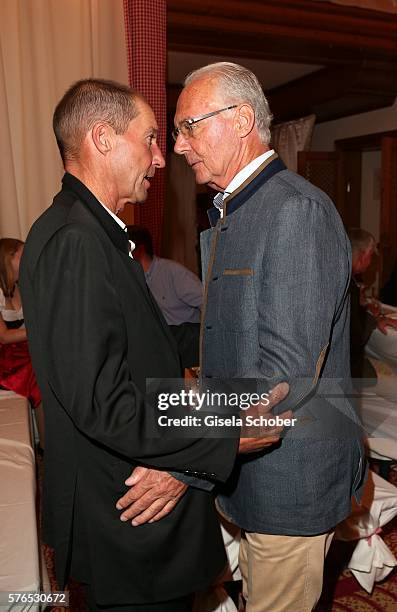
[305, 279]
[83, 338]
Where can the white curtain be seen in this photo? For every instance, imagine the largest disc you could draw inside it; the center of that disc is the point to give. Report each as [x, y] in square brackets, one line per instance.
[46, 45]
[293, 136]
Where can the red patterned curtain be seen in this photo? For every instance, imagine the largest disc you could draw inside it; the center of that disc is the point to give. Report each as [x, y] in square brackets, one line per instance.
[145, 26]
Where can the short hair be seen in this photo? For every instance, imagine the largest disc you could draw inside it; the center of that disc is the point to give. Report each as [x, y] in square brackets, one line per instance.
[8, 248]
[238, 84]
[141, 236]
[86, 102]
[360, 240]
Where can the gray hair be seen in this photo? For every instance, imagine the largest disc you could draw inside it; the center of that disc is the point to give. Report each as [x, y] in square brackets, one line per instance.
[360, 240]
[238, 84]
[85, 103]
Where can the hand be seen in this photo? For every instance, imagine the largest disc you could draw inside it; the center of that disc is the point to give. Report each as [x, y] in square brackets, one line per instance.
[267, 435]
[152, 495]
[383, 322]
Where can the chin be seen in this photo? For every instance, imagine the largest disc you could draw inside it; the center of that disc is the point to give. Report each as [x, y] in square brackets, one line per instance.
[141, 198]
[201, 179]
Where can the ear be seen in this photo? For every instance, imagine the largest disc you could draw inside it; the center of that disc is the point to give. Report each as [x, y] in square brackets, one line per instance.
[102, 135]
[245, 120]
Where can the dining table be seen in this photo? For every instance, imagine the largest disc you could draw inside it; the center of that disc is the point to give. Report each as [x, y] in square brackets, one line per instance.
[21, 566]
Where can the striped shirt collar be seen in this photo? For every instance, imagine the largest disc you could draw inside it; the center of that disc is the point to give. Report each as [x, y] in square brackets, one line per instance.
[246, 172]
[239, 180]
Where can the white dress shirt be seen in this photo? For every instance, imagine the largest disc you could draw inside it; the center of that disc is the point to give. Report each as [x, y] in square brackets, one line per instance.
[244, 174]
[122, 225]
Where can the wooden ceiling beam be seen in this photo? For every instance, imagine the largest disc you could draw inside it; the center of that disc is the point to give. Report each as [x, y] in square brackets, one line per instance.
[330, 93]
[281, 30]
[357, 47]
[335, 92]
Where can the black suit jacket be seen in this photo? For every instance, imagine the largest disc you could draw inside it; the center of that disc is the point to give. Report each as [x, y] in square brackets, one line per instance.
[95, 335]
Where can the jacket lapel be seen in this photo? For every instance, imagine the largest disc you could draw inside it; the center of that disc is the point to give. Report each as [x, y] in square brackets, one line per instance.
[271, 166]
[112, 229]
[120, 240]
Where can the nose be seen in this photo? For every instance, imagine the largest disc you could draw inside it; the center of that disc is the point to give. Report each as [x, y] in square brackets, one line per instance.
[158, 159]
[181, 145]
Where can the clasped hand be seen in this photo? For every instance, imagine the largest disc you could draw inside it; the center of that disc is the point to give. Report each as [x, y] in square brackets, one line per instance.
[154, 493]
[255, 439]
[151, 496]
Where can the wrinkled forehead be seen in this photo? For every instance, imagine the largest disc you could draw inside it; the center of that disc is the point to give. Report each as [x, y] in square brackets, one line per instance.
[198, 97]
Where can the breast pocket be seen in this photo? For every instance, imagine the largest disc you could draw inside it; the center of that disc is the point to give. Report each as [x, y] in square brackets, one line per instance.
[237, 306]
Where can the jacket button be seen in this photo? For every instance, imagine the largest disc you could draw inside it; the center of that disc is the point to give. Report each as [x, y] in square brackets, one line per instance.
[208, 327]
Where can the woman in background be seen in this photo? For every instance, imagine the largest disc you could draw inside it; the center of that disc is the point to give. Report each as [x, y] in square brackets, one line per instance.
[16, 373]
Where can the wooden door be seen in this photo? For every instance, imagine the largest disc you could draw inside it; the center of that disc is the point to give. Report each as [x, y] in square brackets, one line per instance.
[388, 217]
[338, 173]
[321, 169]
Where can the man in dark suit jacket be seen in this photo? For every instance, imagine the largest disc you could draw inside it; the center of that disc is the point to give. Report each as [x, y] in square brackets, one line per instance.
[276, 264]
[95, 336]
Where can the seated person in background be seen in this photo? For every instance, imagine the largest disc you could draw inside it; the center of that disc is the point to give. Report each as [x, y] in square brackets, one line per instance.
[177, 291]
[16, 373]
[388, 294]
[364, 318]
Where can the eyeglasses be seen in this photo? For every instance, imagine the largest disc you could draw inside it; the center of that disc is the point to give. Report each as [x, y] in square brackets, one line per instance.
[186, 127]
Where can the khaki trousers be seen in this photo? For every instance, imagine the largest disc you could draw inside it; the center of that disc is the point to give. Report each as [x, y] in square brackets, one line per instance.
[282, 573]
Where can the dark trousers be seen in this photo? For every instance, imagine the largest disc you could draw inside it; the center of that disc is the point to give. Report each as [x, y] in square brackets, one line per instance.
[183, 604]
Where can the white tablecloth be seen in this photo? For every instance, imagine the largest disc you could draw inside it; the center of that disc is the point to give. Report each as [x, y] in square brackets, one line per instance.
[378, 412]
[383, 346]
[19, 549]
[372, 560]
